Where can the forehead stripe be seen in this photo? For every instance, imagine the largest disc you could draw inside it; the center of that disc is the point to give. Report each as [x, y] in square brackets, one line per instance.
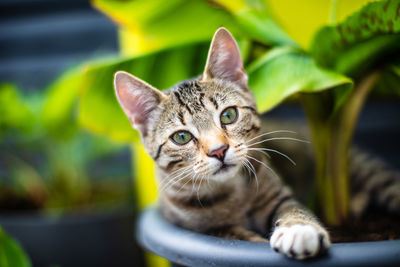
[214, 102]
[178, 96]
[159, 151]
[181, 118]
[250, 108]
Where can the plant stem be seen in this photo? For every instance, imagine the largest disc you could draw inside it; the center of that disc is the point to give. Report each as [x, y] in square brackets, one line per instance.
[332, 130]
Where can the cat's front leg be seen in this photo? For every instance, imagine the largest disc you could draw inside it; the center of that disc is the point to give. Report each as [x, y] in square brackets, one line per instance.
[237, 232]
[297, 234]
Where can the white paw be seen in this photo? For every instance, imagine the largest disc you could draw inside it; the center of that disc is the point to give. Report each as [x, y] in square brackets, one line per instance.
[299, 241]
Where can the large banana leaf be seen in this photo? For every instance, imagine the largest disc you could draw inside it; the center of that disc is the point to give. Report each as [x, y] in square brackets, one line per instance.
[301, 19]
[98, 108]
[254, 18]
[364, 38]
[11, 253]
[149, 26]
[283, 72]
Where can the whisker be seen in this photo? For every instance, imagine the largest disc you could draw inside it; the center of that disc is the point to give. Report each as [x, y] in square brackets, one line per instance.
[180, 169]
[247, 167]
[177, 174]
[276, 151]
[265, 153]
[198, 190]
[254, 172]
[194, 179]
[175, 179]
[183, 185]
[264, 134]
[174, 182]
[208, 181]
[279, 138]
[265, 165]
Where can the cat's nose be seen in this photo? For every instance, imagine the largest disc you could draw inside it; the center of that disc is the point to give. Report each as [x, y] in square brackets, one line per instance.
[219, 152]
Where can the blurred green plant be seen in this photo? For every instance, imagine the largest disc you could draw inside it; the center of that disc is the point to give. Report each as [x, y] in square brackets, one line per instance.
[46, 161]
[11, 252]
[290, 50]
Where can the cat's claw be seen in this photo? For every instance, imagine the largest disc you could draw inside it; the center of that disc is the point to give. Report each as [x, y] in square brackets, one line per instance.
[299, 241]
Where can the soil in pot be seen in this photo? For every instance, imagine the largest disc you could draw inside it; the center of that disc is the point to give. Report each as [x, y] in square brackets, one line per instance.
[374, 225]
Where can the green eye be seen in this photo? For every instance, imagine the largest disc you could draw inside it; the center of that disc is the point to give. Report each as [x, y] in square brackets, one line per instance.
[228, 116]
[181, 137]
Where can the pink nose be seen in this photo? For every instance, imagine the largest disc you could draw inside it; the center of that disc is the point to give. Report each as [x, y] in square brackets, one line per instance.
[219, 152]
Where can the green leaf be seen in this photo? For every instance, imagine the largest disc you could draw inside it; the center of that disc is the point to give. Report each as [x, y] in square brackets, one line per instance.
[149, 26]
[15, 112]
[364, 38]
[99, 110]
[389, 84]
[283, 72]
[255, 20]
[11, 253]
[58, 113]
[396, 68]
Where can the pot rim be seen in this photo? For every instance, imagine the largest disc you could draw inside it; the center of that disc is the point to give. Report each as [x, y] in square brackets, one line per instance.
[185, 247]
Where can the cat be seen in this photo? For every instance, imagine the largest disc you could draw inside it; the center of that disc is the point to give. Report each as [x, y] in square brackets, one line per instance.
[201, 134]
[205, 134]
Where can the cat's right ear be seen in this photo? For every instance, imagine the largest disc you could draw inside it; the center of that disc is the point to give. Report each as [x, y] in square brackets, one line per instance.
[137, 98]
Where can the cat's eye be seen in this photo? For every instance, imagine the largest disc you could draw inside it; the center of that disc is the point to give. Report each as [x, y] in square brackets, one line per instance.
[228, 116]
[181, 137]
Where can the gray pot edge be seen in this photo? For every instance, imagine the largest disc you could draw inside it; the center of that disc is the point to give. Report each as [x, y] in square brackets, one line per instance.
[185, 247]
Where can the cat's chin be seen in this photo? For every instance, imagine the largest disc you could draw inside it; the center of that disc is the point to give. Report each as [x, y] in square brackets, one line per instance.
[225, 172]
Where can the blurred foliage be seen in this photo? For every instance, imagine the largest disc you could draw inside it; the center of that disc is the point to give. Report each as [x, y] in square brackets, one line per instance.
[15, 115]
[148, 26]
[301, 19]
[57, 114]
[46, 161]
[354, 45]
[11, 252]
[256, 21]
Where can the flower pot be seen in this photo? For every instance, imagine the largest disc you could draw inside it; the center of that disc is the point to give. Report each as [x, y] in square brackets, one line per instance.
[92, 239]
[184, 247]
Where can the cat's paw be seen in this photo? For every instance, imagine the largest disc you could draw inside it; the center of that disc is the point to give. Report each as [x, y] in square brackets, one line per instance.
[300, 241]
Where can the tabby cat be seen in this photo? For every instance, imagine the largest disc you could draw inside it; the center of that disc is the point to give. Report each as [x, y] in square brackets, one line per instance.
[205, 135]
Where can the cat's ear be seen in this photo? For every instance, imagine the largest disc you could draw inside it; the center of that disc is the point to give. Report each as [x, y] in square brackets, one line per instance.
[137, 98]
[224, 60]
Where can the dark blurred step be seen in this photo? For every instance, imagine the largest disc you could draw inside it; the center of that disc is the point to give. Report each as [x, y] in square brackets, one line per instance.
[40, 39]
[22, 8]
[81, 31]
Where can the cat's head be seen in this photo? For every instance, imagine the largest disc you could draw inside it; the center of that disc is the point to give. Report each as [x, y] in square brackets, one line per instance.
[200, 125]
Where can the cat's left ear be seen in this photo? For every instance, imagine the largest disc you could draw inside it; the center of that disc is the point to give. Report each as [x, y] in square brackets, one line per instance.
[224, 61]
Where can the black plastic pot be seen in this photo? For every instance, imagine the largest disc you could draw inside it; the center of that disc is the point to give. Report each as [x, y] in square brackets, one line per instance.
[184, 247]
[95, 239]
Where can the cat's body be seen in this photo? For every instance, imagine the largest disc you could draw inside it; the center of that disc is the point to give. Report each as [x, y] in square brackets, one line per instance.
[205, 136]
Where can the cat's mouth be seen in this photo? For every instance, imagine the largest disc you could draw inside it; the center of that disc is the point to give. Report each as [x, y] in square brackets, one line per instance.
[224, 167]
